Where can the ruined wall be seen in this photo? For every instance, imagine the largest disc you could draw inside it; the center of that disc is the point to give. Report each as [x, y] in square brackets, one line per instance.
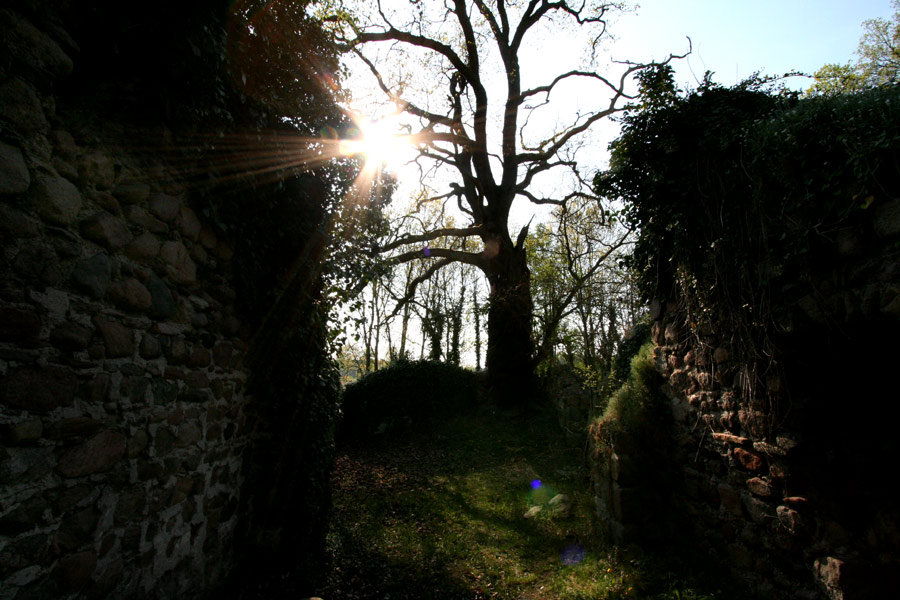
[121, 385]
[783, 466]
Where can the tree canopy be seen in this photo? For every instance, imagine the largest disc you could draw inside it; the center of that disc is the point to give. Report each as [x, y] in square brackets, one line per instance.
[457, 71]
[877, 60]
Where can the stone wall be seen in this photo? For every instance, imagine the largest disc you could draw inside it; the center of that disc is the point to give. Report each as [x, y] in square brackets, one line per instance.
[121, 387]
[783, 462]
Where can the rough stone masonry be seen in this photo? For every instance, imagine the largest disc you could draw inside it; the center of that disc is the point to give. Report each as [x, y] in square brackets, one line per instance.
[121, 385]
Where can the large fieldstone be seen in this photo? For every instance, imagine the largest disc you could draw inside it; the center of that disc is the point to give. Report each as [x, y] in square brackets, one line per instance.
[21, 107]
[130, 294]
[106, 230]
[38, 389]
[162, 303]
[118, 339]
[71, 336]
[14, 176]
[56, 199]
[16, 224]
[19, 324]
[34, 52]
[179, 266]
[165, 207]
[98, 454]
[93, 275]
[144, 248]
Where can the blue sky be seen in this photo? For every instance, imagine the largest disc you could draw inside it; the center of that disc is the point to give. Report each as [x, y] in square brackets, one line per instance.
[734, 38]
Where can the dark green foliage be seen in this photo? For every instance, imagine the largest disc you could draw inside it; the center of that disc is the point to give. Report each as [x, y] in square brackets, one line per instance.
[635, 338]
[405, 393]
[733, 189]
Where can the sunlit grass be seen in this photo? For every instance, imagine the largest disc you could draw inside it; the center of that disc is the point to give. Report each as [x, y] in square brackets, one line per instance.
[442, 515]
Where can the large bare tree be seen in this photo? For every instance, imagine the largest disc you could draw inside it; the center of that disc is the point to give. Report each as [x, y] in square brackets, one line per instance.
[475, 121]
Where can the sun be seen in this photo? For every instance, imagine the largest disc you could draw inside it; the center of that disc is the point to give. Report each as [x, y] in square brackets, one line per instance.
[381, 143]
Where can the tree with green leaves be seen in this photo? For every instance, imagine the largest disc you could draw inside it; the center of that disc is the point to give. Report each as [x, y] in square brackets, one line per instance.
[877, 60]
[456, 70]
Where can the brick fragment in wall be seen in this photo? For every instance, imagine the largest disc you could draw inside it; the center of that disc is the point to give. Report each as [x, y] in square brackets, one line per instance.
[748, 460]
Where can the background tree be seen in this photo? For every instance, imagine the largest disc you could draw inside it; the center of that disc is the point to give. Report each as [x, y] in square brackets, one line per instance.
[877, 63]
[476, 133]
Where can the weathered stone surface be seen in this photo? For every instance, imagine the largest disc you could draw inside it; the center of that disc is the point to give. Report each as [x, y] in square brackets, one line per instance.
[98, 454]
[24, 432]
[67, 244]
[222, 354]
[19, 324]
[143, 248]
[887, 218]
[16, 224]
[38, 262]
[55, 199]
[165, 207]
[150, 347]
[139, 216]
[759, 486]
[25, 517]
[107, 230]
[131, 193]
[14, 176]
[97, 169]
[199, 357]
[118, 339]
[73, 427]
[64, 144]
[179, 265]
[74, 571]
[188, 434]
[104, 200]
[730, 499]
[21, 108]
[164, 392]
[130, 294]
[32, 51]
[162, 303]
[93, 275]
[197, 379]
[38, 389]
[71, 336]
[187, 223]
[748, 460]
[207, 238]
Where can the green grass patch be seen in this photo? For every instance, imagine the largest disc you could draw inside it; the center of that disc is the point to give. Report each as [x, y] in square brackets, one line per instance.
[440, 514]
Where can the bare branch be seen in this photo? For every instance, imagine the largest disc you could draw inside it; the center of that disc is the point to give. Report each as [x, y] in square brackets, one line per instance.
[431, 235]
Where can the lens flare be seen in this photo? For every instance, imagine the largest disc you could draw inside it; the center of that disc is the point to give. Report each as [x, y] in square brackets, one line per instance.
[536, 484]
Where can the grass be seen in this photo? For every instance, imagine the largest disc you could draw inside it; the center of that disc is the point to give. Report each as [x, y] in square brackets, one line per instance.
[440, 514]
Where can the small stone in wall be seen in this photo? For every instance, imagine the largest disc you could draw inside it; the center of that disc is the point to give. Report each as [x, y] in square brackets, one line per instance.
[187, 223]
[179, 266]
[131, 193]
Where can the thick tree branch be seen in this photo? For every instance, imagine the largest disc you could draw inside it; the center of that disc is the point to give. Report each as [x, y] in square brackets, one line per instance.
[431, 235]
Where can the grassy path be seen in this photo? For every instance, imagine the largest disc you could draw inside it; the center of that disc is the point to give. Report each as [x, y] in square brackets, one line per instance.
[440, 514]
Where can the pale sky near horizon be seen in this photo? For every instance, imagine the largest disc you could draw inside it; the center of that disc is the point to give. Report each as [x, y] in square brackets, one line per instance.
[735, 38]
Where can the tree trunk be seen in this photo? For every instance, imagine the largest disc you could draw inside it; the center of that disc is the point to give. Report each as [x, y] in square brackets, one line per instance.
[510, 369]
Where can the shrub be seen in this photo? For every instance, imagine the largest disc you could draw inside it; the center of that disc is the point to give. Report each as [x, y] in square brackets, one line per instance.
[405, 393]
